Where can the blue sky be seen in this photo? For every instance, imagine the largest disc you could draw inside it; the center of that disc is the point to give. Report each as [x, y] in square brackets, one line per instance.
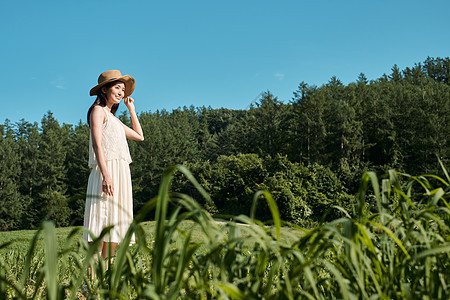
[203, 53]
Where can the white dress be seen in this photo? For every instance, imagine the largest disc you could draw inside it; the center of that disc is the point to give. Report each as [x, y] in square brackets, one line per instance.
[117, 210]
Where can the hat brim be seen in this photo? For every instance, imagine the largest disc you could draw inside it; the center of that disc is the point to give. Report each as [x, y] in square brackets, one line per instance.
[127, 80]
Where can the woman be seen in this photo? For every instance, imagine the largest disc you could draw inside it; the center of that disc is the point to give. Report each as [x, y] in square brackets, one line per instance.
[109, 199]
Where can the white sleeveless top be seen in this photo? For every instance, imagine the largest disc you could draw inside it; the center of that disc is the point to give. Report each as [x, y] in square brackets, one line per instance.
[114, 141]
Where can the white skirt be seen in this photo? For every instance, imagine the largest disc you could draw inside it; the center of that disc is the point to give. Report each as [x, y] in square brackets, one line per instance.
[101, 210]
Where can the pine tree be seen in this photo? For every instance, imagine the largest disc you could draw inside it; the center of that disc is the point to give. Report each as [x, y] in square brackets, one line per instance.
[11, 205]
[28, 139]
[378, 126]
[268, 122]
[77, 157]
[396, 75]
[51, 200]
[307, 128]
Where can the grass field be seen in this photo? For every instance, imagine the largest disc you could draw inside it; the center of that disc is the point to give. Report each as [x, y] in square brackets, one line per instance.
[396, 248]
[20, 240]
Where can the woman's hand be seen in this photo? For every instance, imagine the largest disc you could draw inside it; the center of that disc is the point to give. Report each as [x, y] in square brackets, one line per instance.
[107, 185]
[129, 102]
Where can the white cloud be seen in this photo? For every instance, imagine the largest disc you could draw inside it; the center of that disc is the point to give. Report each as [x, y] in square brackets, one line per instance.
[58, 83]
[280, 76]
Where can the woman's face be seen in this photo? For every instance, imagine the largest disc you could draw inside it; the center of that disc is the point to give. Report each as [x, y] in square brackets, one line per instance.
[115, 93]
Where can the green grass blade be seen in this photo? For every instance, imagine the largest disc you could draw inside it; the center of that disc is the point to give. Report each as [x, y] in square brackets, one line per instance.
[51, 259]
[444, 248]
[444, 169]
[273, 210]
[363, 187]
[29, 257]
[231, 290]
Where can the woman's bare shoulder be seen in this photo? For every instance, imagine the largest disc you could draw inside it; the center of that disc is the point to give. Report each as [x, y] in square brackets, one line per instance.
[98, 108]
[98, 113]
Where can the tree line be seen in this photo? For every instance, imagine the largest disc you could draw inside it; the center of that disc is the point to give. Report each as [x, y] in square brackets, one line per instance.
[309, 152]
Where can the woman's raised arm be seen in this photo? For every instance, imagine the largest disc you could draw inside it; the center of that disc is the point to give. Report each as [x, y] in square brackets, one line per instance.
[136, 133]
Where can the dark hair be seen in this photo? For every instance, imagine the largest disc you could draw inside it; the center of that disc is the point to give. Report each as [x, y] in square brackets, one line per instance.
[101, 100]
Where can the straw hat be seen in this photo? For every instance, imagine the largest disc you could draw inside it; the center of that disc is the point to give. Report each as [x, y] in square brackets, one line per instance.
[114, 75]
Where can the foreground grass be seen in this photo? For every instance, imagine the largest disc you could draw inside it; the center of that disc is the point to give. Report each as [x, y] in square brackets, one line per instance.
[396, 245]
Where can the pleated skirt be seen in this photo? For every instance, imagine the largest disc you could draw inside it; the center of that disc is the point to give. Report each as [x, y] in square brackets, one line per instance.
[102, 210]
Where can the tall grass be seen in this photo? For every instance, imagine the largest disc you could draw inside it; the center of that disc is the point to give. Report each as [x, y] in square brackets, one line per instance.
[395, 245]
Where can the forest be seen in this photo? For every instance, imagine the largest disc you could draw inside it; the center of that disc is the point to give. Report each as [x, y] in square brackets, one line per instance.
[310, 153]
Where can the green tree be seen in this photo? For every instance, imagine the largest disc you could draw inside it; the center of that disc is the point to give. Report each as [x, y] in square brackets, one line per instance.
[11, 205]
[77, 157]
[344, 128]
[268, 121]
[303, 195]
[308, 131]
[378, 127]
[437, 69]
[51, 200]
[28, 139]
[170, 138]
[228, 131]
